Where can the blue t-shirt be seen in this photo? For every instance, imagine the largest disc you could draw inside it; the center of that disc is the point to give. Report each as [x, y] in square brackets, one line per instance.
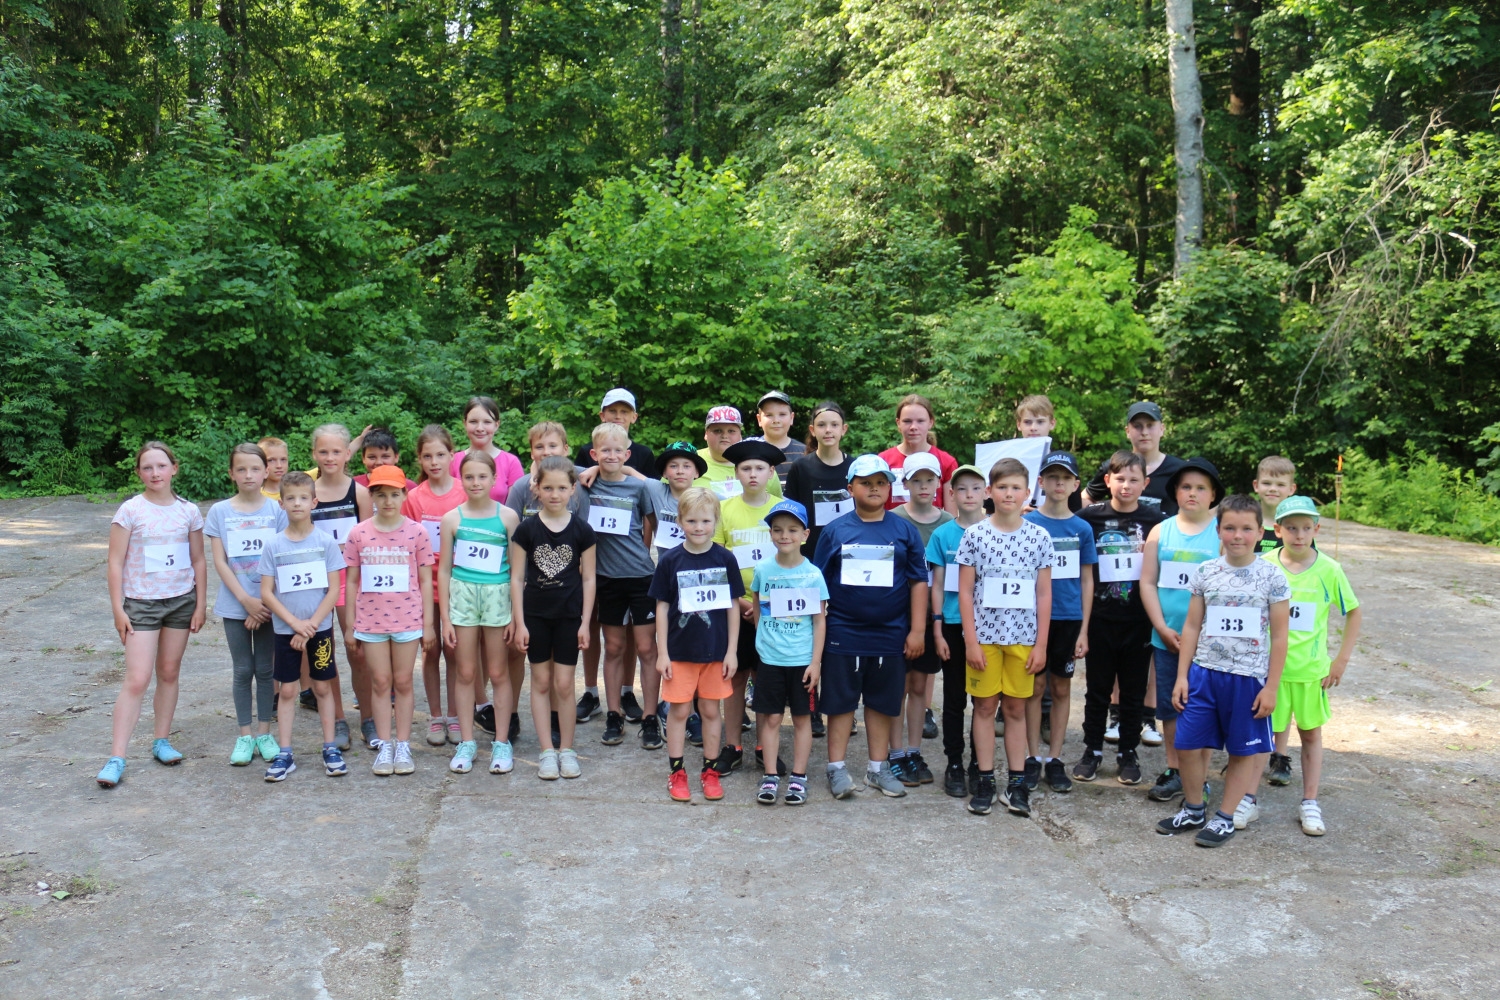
[870, 617]
[1173, 545]
[786, 642]
[697, 636]
[293, 564]
[1073, 548]
[245, 537]
[942, 550]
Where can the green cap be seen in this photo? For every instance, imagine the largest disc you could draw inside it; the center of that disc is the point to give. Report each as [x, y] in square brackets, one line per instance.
[1296, 505]
[972, 470]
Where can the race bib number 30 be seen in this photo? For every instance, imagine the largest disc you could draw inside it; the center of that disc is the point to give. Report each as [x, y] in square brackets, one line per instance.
[793, 602]
[481, 557]
[247, 541]
[868, 566]
[1231, 623]
[1008, 592]
[1302, 616]
[167, 558]
[385, 579]
[301, 576]
[1121, 567]
[703, 590]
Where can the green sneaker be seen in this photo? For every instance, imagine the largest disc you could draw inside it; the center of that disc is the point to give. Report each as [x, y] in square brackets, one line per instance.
[244, 751]
[268, 747]
[164, 752]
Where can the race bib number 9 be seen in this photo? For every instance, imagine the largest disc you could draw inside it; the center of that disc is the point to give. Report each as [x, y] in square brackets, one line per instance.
[1231, 623]
[301, 576]
[1008, 592]
[794, 602]
[247, 541]
[385, 579]
[1122, 567]
[868, 565]
[1176, 575]
[167, 558]
[1302, 616]
[481, 557]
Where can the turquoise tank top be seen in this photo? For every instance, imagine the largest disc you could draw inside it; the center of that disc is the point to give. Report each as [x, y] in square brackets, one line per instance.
[1175, 546]
[481, 549]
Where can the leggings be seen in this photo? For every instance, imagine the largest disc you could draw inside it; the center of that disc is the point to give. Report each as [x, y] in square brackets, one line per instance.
[955, 699]
[1118, 650]
[250, 652]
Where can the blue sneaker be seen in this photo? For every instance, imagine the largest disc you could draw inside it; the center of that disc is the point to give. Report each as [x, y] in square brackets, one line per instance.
[695, 730]
[112, 773]
[661, 714]
[333, 762]
[163, 751]
[282, 766]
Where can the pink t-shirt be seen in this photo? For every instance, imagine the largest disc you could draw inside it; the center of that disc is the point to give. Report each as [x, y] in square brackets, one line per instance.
[386, 560]
[427, 508]
[896, 459]
[157, 560]
[507, 470]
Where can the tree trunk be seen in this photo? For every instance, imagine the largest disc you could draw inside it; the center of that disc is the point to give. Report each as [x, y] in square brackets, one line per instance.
[195, 51]
[1142, 188]
[229, 73]
[1244, 109]
[671, 78]
[697, 11]
[1187, 107]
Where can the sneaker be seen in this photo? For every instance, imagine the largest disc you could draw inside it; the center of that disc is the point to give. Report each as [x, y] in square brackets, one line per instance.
[1087, 768]
[1033, 773]
[1150, 735]
[918, 766]
[1057, 776]
[333, 763]
[165, 752]
[567, 763]
[244, 751]
[983, 798]
[463, 757]
[631, 708]
[281, 766]
[1129, 768]
[769, 786]
[614, 729]
[953, 780]
[366, 733]
[1182, 820]
[677, 787]
[588, 707]
[903, 771]
[661, 714]
[1280, 770]
[513, 731]
[973, 776]
[819, 727]
[267, 747]
[650, 733]
[308, 700]
[747, 724]
[502, 758]
[556, 731]
[695, 729]
[1168, 786]
[404, 763]
[1247, 812]
[796, 792]
[1112, 731]
[840, 782]
[547, 766]
[455, 734]
[885, 782]
[730, 759]
[484, 718]
[385, 760]
[1312, 819]
[713, 790]
[112, 773]
[437, 733]
[760, 763]
[1217, 833]
[929, 726]
[1018, 798]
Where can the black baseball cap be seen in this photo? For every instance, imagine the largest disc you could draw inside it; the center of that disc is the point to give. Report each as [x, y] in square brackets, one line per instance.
[680, 449]
[1204, 466]
[1145, 408]
[745, 451]
[1060, 458]
[774, 396]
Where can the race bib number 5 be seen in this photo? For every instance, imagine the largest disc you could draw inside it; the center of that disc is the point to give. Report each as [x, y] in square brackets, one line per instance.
[167, 558]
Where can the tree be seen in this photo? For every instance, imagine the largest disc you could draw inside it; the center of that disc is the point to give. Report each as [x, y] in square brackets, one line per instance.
[1187, 110]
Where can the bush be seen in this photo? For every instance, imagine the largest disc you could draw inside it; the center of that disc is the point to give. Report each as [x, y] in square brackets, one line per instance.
[1419, 493]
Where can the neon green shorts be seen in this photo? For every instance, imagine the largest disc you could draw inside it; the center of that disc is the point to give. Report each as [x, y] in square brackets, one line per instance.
[1304, 701]
[479, 604]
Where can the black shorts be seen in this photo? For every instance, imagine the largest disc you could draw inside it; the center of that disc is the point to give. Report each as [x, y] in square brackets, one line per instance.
[779, 689]
[626, 600]
[554, 639]
[928, 662]
[286, 662]
[1062, 639]
[879, 680]
[744, 649]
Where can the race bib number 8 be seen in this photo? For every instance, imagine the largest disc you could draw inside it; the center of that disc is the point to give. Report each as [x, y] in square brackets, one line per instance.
[1122, 567]
[748, 555]
[301, 576]
[481, 557]
[1065, 565]
[868, 566]
[1302, 616]
[247, 541]
[167, 558]
[794, 602]
[1007, 592]
[1231, 623]
[385, 579]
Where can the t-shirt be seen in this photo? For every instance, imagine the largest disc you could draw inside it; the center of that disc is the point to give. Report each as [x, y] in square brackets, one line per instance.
[527, 504]
[1073, 550]
[390, 582]
[823, 489]
[1007, 563]
[1155, 493]
[743, 531]
[896, 459]
[1268, 540]
[1238, 644]
[697, 636]
[668, 534]
[427, 509]
[244, 537]
[626, 505]
[1119, 534]
[1315, 592]
[293, 563]
[158, 560]
[1173, 545]
[641, 459]
[870, 616]
[793, 450]
[507, 470]
[554, 582]
[942, 550]
[720, 478]
[925, 530]
[787, 641]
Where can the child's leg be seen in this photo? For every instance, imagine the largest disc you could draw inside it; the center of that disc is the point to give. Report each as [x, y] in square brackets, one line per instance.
[497, 665]
[954, 696]
[802, 742]
[984, 722]
[359, 676]
[768, 732]
[839, 729]
[1103, 660]
[515, 666]
[677, 716]
[614, 664]
[913, 709]
[169, 652]
[263, 649]
[1015, 729]
[286, 709]
[1284, 739]
[1312, 760]
[432, 682]
[1062, 697]
[450, 657]
[377, 657]
[1132, 673]
[324, 691]
[628, 660]
[594, 652]
[403, 667]
[242, 668]
[541, 703]
[1032, 710]
[466, 655]
[1194, 768]
[1242, 778]
[563, 675]
[734, 708]
[713, 729]
[644, 639]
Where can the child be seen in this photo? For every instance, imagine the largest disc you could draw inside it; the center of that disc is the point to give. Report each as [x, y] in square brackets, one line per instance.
[1119, 635]
[1035, 417]
[1275, 480]
[622, 516]
[474, 602]
[743, 531]
[923, 483]
[695, 587]
[819, 481]
[1233, 649]
[676, 468]
[790, 597]
[1005, 600]
[775, 415]
[1317, 584]
[481, 424]
[618, 407]
[721, 429]
[377, 446]
[238, 529]
[969, 489]
[876, 573]
[1174, 550]
[915, 420]
[1072, 602]
[428, 501]
[157, 583]
[277, 461]
[393, 608]
[295, 569]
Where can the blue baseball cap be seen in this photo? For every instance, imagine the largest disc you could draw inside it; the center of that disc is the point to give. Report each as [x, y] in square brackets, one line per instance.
[791, 507]
[870, 465]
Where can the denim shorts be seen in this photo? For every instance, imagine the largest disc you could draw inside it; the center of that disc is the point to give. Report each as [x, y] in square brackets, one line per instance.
[412, 636]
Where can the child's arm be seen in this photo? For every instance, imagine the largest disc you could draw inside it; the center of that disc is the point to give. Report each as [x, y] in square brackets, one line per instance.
[916, 639]
[256, 615]
[521, 636]
[351, 596]
[972, 653]
[753, 611]
[1037, 661]
[1346, 649]
[511, 520]
[1086, 580]
[200, 578]
[1265, 702]
[362, 505]
[939, 596]
[814, 669]
[446, 529]
[429, 624]
[663, 661]
[272, 604]
[1187, 648]
[648, 529]
[731, 655]
[590, 583]
[119, 542]
[1150, 596]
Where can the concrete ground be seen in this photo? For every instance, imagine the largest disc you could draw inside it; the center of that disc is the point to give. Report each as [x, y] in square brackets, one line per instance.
[204, 880]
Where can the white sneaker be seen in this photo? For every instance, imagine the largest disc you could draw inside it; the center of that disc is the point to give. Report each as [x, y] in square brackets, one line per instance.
[437, 733]
[1112, 733]
[502, 759]
[385, 760]
[567, 762]
[1245, 813]
[1312, 819]
[463, 757]
[404, 763]
[1150, 735]
[547, 768]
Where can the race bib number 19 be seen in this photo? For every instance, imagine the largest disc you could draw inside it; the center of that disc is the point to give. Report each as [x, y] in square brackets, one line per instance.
[793, 602]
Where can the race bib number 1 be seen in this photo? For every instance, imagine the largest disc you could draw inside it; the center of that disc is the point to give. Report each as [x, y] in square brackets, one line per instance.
[1231, 623]
[385, 579]
[339, 527]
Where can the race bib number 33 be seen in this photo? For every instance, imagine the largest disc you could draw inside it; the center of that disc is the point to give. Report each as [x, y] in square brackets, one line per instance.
[1231, 623]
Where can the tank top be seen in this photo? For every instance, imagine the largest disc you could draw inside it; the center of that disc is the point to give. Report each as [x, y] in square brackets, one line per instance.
[1178, 552]
[337, 517]
[480, 549]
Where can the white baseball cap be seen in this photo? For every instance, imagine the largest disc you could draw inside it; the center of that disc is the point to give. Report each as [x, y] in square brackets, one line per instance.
[922, 461]
[617, 396]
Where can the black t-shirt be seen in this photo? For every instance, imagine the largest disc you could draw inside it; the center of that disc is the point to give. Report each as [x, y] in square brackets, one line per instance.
[642, 459]
[1155, 493]
[810, 480]
[1117, 534]
[697, 636]
[554, 583]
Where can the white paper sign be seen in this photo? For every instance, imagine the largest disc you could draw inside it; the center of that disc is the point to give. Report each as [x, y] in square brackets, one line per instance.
[1233, 623]
[793, 602]
[726, 488]
[434, 534]
[899, 492]
[748, 555]
[248, 541]
[668, 534]
[338, 527]
[608, 518]
[1065, 564]
[1302, 616]
[385, 579]
[705, 597]
[1028, 451]
[868, 566]
[1121, 567]
[167, 558]
[1008, 592]
[950, 578]
[481, 557]
[301, 576]
[1176, 575]
[829, 506]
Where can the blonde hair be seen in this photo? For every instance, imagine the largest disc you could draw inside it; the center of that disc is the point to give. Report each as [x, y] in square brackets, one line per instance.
[1276, 465]
[1036, 406]
[696, 498]
[610, 432]
[270, 442]
[331, 430]
[543, 429]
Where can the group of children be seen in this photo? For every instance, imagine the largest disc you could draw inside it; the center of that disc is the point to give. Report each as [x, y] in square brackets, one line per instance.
[830, 580]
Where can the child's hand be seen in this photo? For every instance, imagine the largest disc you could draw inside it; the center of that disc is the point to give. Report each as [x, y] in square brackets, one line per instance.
[747, 610]
[1173, 640]
[1081, 647]
[587, 476]
[1265, 702]
[583, 636]
[1037, 661]
[450, 635]
[731, 664]
[123, 626]
[916, 643]
[299, 643]
[811, 675]
[349, 641]
[974, 656]
[1180, 694]
[429, 639]
[255, 612]
[939, 644]
[663, 665]
[196, 624]
[1335, 673]
[305, 629]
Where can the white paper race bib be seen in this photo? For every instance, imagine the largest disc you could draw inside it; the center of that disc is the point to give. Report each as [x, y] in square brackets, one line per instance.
[481, 557]
[434, 534]
[1302, 616]
[1176, 575]
[338, 527]
[704, 597]
[385, 579]
[899, 492]
[1233, 623]
[868, 566]
[1065, 564]
[748, 555]
[1008, 592]
[668, 535]
[301, 576]
[247, 541]
[1121, 567]
[167, 558]
[610, 516]
[829, 506]
[950, 578]
[726, 488]
[794, 602]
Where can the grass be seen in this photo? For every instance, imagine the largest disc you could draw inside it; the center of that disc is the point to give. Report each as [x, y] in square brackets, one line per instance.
[1418, 493]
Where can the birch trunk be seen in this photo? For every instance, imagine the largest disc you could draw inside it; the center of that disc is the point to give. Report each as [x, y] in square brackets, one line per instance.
[1187, 108]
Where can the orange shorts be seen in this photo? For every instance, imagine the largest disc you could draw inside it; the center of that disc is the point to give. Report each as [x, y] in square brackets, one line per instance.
[705, 680]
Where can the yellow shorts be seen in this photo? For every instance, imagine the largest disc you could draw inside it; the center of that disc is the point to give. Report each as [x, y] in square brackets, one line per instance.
[1004, 673]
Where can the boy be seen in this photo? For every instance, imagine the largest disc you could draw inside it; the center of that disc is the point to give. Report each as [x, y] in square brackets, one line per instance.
[676, 468]
[1233, 652]
[1005, 600]
[1317, 584]
[695, 587]
[1275, 480]
[790, 597]
[277, 462]
[1072, 602]
[1035, 417]
[1174, 550]
[721, 429]
[876, 574]
[618, 407]
[377, 446]
[622, 514]
[922, 474]
[743, 531]
[775, 415]
[295, 568]
[1119, 635]
[969, 489]
[1144, 430]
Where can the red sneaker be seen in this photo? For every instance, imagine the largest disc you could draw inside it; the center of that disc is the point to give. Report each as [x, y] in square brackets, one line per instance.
[677, 787]
[712, 789]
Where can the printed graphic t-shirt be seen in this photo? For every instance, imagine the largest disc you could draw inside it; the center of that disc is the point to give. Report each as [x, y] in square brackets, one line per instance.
[386, 559]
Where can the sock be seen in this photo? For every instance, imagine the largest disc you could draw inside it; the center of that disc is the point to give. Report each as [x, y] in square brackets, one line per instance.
[326, 746]
[481, 708]
[897, 755]
[1197, 810]
[625, 689]
[769, 776]
[289, 749]
[1114, 713]
[874, 767]
[799, 777]
[1309, 802]
[1251, 798]
[708, 765]
[987, 774]
[835, 765]
[1220, 814]
[738, 748]
[913, 751]
[1016, 776]
[675, 763]
[593, 691]
[1048, 760]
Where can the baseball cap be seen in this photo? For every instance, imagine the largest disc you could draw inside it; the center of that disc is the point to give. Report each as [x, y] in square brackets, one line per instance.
[791, 507]
[723, 415]
[870, 465]
[1064, 459]
[1202, 465]
[680, 449]
[617, 395]
[387, 475]
[920, 462]
[1145, 408]
[1296, 505]
[774, 396]
[972, 470]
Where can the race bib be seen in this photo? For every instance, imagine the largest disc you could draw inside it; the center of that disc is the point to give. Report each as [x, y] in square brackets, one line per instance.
[1302, 616]
[1120, 568]
[610, 515]
[385, 579]
[434, 535]
[748, 555]
[669, 535]
[167, 558]
[703, 589]
[868, 565]
[1176, 575]
[950, 578]
[829, 506]
[1232, 623]
[481, 557]
[339, 527]
[1065, 565]
[247, 541]
[301, 576]
[899, 491]
[794, 602]
[726, 488]
[1008, 592]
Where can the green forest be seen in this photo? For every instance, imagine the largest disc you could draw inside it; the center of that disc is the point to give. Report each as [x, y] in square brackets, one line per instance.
[219, 222]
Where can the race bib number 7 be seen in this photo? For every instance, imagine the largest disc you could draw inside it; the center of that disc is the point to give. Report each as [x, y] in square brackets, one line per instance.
[867, 566]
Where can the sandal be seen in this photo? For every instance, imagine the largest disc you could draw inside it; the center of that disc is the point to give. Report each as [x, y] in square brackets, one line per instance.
[796, 792]
[768, 787]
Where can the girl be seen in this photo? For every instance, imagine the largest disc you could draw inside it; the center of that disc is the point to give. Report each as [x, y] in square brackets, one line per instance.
[392, 599]
[551, 609]
[239, 530]
[435, 495]
[481, 421]
[157, 582]
[819, 480]
[915, 419]
[475, 604]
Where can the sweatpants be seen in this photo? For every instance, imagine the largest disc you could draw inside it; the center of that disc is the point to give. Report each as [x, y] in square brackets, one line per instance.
[955, 698]
[1118, 650]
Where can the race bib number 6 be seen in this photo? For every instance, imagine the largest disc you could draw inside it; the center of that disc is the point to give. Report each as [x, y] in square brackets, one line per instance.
[1302, 616]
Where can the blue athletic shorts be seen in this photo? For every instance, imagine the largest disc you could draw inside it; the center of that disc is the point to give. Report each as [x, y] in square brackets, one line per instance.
[1219, 714]
[880, 680]
[1166, 679]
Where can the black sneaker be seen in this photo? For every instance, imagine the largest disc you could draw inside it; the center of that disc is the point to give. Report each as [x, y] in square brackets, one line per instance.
[588, 707]
[695, 729]
[819, 727]
[614, 729]
[631, 708]
[556, 732]
[650, 733]
[953, 780]
[484, 718]
[730, 759]
[1087, 768]
[1281, 769]
[308, 700]
[747, 724]
[973, 776]
[1018, 798]
[1168, 786]
[1057, 776]
[920, 769]
[1182, 821]
[760, 762]
[929, 726]
[901, 769]
[1216, 833]
[1033, 773]
[984, 796]
[1130, 768]
[513, 731]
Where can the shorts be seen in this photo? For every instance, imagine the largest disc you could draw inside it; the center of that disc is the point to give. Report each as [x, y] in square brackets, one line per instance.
[147, 615]
[286, 662]
[1166, 679]
[554, 639]
[1219, 714]
[478, 605]
[880, 680]
[1304, 701]
[1005, 673]
[689, 680]
[1062, 639]
[397, 637]
[625, 600]
[928, 662]
[747, 657]
[780, 688]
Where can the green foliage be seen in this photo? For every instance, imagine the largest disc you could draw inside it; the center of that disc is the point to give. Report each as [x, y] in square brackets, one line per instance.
[1416, 492]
